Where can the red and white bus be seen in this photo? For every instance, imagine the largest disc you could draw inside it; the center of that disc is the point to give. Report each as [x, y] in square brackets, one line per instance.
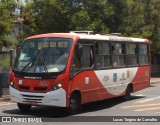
[70, 69]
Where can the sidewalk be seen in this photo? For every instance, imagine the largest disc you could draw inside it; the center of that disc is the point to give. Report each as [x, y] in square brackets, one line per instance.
[155, 80]
[5, 98]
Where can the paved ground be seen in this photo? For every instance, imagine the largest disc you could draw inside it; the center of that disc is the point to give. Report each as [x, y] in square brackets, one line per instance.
[144, 104]
[155, 80]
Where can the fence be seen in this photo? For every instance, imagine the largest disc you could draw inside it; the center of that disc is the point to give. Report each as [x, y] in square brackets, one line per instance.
[4, 55]
[4, 80]
[4, 72]
[155, 69]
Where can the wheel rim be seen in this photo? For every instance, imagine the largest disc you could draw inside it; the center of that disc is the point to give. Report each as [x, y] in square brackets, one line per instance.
[73, 104]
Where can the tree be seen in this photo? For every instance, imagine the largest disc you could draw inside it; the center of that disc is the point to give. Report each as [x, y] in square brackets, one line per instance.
[130, 18]
[134, 23]
[153, 17]
[91, 15]
[65, 15]
[51, 16]
[6, 22]
[28, 22]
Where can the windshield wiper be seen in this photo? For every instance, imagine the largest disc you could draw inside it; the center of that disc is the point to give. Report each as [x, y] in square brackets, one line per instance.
[39, 58]
[32, 61]
[43, 59]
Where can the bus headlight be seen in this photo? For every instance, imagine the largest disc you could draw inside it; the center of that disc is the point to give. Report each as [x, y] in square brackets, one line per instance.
[57, 86]
[12, 84]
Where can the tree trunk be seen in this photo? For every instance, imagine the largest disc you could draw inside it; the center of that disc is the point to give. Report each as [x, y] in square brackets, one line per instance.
[0, 48]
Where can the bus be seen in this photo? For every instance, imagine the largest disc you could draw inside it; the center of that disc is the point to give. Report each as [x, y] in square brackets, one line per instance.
[70, 69]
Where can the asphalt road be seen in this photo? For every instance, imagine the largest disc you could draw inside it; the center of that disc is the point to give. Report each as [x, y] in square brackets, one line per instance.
[145, 105]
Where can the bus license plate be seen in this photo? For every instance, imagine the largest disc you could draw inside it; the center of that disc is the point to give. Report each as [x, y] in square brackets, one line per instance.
[30, 102]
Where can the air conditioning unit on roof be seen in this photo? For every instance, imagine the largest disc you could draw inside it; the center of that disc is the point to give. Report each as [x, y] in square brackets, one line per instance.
[82, 32]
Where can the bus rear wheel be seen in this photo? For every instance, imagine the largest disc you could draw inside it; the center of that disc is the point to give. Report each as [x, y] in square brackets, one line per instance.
[24, 107]
[74, 104]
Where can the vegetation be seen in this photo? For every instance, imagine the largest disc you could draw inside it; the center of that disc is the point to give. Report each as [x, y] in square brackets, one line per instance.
[6, 22]
[5, 63]
[136, 18]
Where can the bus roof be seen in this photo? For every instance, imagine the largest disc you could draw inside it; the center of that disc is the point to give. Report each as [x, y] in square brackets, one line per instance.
[89, 37]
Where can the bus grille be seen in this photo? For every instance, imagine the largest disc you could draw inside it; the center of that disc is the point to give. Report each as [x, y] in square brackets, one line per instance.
[24, 87]
[32, 98]
[40, 88]
[27, 88]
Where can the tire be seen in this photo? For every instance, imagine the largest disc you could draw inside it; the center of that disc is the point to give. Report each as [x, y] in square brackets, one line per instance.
[24, 107]
[127, 95]
[74, 105]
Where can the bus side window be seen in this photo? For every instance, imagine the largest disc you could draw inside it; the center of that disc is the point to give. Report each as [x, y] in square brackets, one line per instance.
[143, 54]
[136, 49]
[76, 58]
[118, 55]
[83, 57]
[131, 54]
[102, 54]
[87, 59]
[113, 49]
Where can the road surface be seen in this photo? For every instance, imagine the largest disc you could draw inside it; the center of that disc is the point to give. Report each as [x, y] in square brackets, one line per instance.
[144, 105]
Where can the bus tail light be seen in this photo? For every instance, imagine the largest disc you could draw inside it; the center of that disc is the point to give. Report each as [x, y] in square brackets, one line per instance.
[57, 86]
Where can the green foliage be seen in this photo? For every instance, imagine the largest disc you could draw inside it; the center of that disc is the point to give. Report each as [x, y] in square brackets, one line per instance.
[7, 40]
[80, 20]
[6, 21]
[6, 18]
[6, 62]
[133, 18]
[65, 15]
[51, 16]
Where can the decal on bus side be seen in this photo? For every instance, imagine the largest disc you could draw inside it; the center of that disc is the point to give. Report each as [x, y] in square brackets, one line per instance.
[114, 84]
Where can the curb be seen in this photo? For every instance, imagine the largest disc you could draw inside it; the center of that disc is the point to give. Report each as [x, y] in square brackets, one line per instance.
[155, 82]
[5, 98]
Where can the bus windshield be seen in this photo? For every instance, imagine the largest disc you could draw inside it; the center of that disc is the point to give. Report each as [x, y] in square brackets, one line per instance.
[43, 55]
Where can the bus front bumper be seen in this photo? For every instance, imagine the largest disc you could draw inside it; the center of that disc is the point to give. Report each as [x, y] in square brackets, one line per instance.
[54, 98]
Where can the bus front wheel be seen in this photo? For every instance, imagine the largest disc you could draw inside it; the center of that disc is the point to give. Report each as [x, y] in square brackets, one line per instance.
[74, 104]
[24, 107]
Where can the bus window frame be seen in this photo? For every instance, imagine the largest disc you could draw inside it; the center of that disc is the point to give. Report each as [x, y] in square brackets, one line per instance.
[134, 65]
[94, 42]
[148, 54]
[110, 55]
[118, 42]
[82, 42]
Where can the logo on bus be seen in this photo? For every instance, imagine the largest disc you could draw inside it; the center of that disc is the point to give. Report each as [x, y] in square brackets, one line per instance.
[114, 77]
[123, 77]
[106, 78]
[44, 83]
